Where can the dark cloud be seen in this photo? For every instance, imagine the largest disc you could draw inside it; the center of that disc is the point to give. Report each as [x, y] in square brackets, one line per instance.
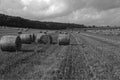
[104, 4]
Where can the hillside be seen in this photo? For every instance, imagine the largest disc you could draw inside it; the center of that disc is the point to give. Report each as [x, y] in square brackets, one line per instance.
[12, 21]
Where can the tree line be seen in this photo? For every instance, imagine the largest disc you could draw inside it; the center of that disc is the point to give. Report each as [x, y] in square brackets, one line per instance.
[12, 21]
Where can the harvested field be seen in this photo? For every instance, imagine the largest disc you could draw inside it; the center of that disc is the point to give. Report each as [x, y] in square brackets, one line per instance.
[103, 58]
[89, 56]
[110, 34]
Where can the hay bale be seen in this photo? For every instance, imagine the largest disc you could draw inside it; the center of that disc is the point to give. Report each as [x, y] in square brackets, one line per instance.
[20, 31]
[60, 32]
[43, 38]
[63, 39]
[45, 32]
[10, 43]
[26, 38]
[53, 38]
[26, 29]
[40, 31]
[38, 37]
[65, 32]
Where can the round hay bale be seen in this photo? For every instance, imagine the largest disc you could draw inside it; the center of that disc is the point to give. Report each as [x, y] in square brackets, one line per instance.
[10, 43]
[63, 39]
[60, 32]
[20, 32]
[40, 31]
[26, 38]
[38, 37]
[26, 29]
[65, 32]
[43, 38]
[45, 32]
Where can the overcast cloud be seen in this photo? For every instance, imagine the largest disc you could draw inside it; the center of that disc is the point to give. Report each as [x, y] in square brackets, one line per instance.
[99, 12]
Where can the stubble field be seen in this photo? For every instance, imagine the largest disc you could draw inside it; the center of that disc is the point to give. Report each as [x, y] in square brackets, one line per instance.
[88, 57]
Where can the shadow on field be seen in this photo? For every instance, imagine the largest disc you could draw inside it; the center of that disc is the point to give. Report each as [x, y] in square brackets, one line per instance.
[23, 50]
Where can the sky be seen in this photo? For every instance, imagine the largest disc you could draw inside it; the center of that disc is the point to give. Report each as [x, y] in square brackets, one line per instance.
[88, 12]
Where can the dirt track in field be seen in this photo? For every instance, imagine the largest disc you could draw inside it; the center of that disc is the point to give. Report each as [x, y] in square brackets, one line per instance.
[86, 58]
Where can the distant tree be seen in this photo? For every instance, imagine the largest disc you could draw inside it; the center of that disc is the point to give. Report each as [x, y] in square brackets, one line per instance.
[94, 26]
[108, 26]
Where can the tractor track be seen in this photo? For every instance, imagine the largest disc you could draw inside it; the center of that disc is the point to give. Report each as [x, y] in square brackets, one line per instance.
[90, 75]
[74, 65]
[57, 57]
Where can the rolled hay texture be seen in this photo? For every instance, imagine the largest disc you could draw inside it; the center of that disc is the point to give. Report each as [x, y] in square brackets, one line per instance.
[38, 37]
[26, 38]
[63, 39]
[10, 43]
[43, 38]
